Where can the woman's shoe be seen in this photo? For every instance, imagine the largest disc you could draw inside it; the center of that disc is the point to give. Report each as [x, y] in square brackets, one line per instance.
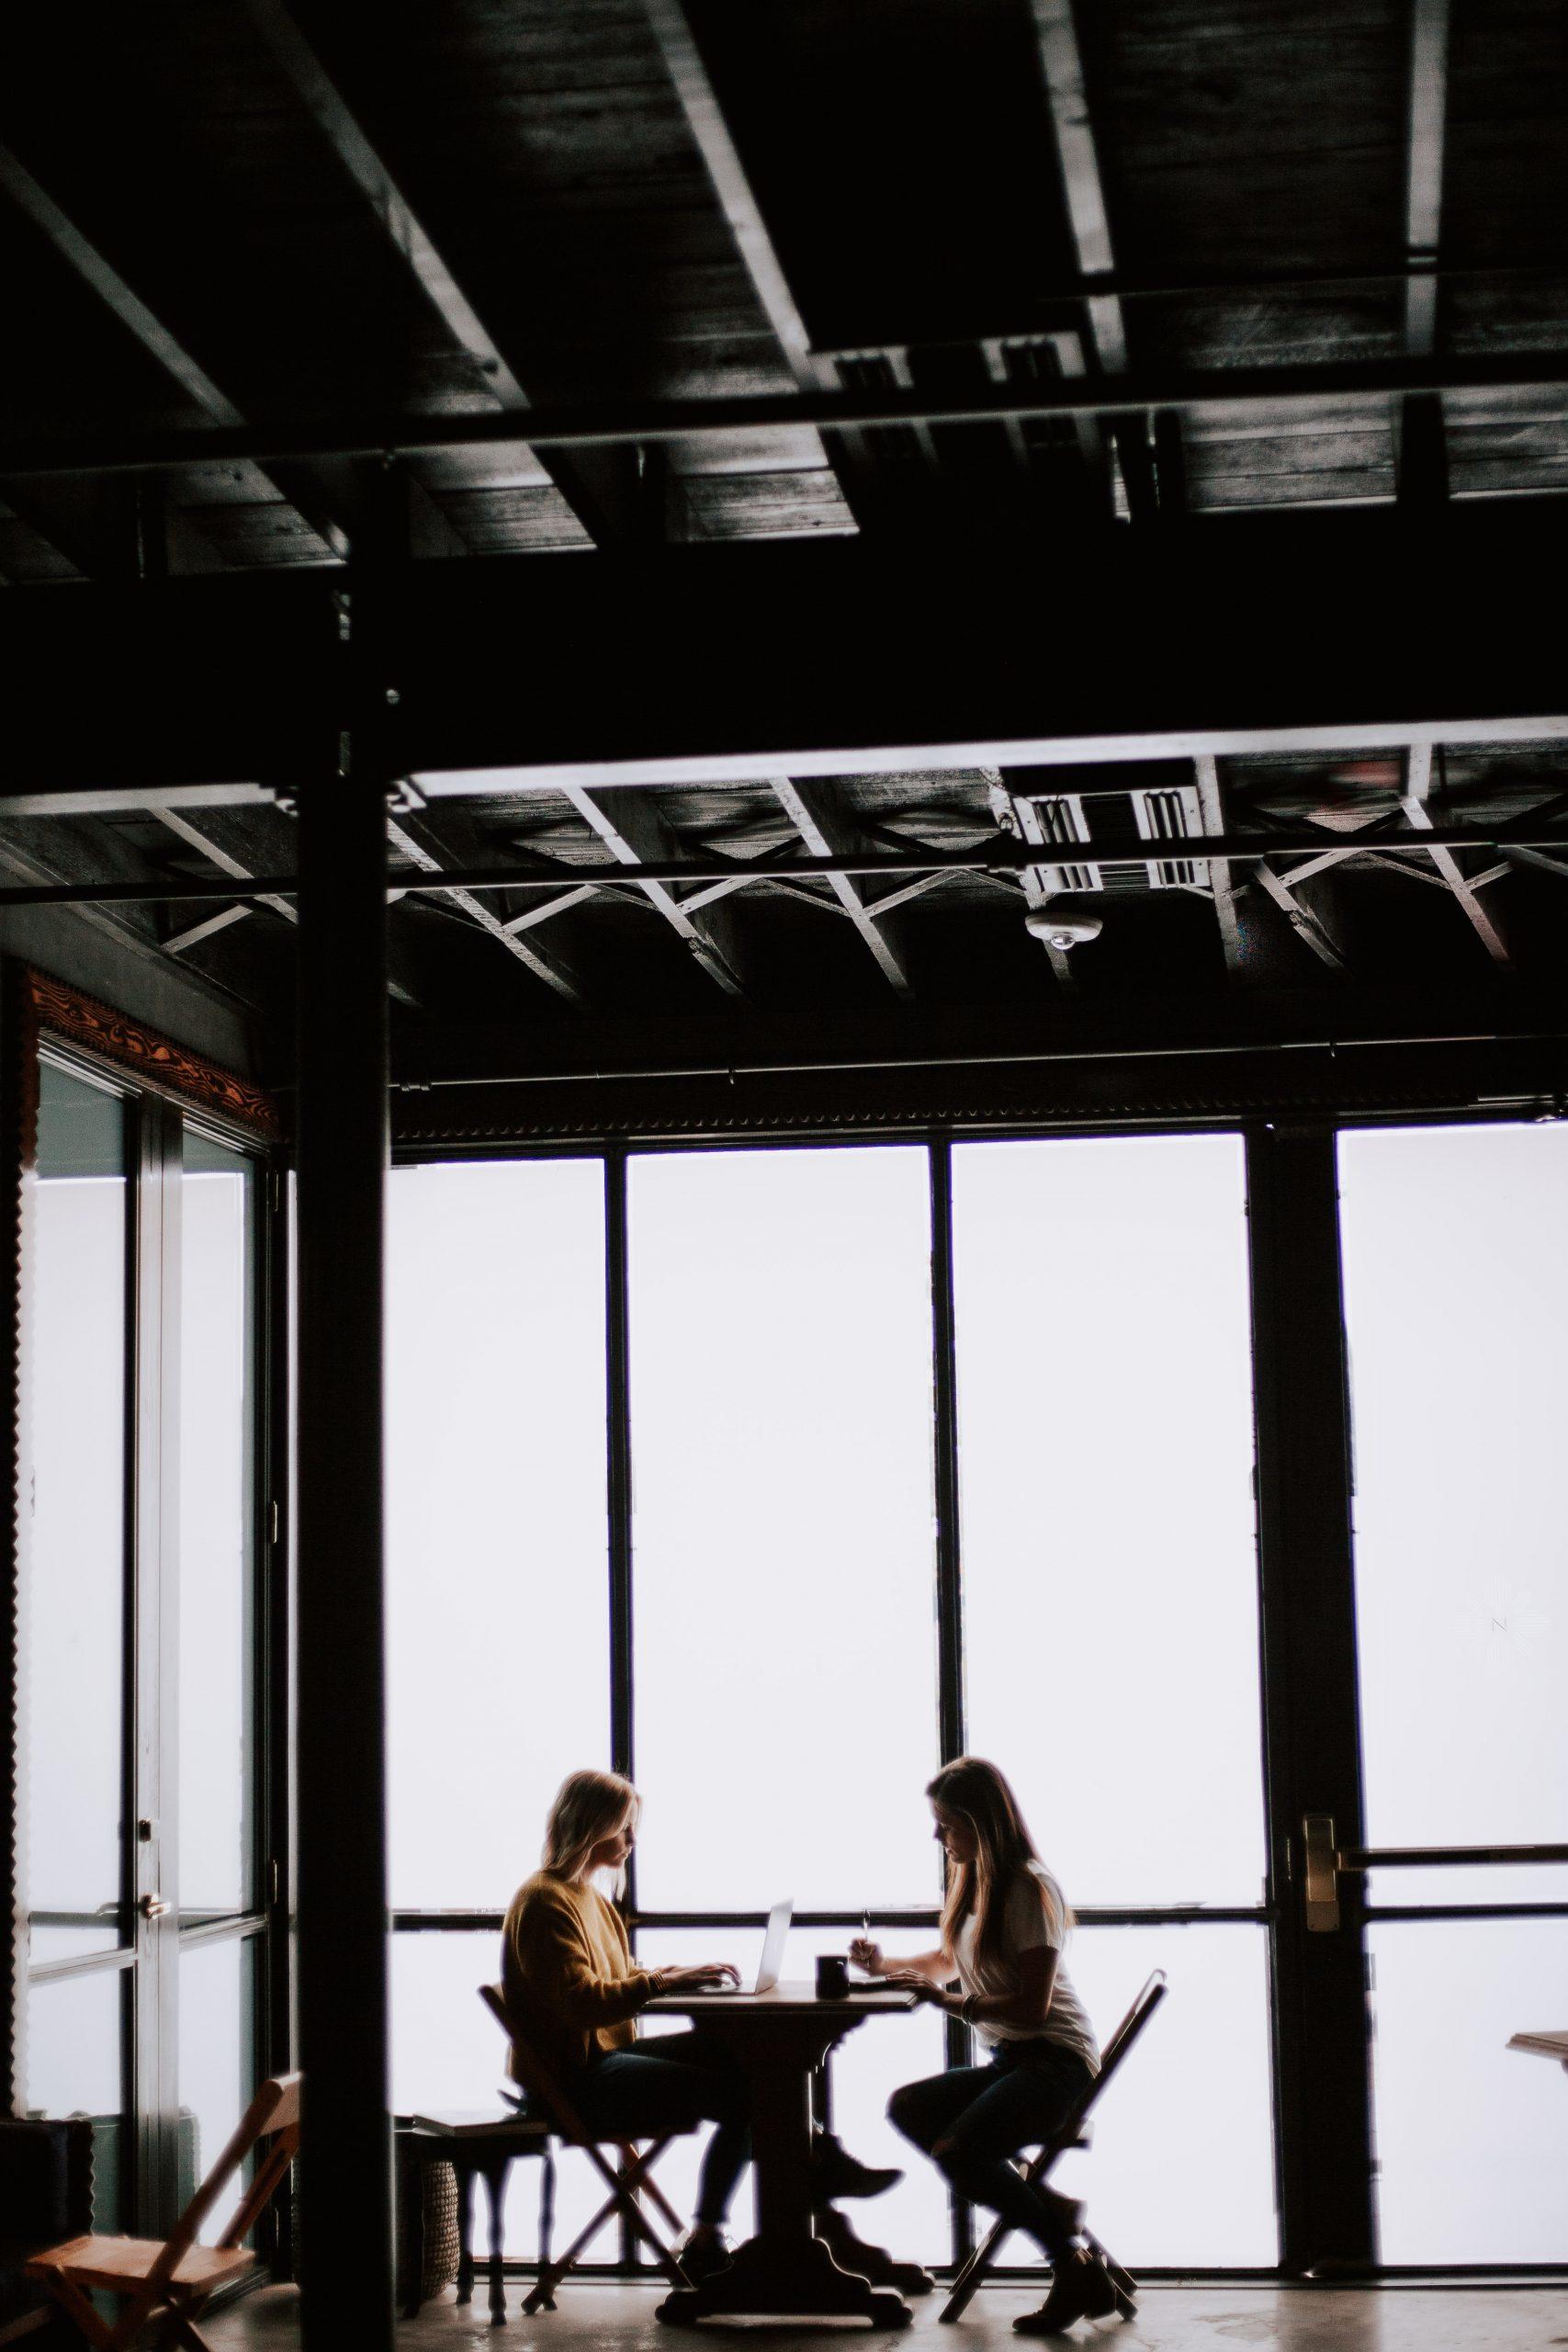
[835, 2173]
[1079, 2289]
[700, 2258]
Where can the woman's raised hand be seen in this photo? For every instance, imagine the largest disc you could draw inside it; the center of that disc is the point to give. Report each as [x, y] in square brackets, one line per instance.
[867, 1955]
[705, 1977]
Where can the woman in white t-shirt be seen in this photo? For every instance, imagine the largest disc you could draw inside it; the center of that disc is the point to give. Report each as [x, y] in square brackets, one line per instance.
[1004, 1925]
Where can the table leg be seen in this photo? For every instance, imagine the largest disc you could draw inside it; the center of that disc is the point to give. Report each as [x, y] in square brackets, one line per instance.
[785, 2271]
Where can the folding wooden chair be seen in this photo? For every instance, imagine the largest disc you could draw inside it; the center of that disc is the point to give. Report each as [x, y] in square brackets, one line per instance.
[166, 2285]
[1074, 2133]
[626, 2182]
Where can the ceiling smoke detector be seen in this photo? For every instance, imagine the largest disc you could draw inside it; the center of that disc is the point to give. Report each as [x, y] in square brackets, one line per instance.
[1062, 923]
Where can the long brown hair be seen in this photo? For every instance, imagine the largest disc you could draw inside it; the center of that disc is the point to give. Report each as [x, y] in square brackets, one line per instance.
[979, 1795]
[588, 1808]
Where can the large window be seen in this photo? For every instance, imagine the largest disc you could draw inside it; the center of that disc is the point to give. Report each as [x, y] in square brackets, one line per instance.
[1111, 1624]
[744, 1350]
[1456, 1290]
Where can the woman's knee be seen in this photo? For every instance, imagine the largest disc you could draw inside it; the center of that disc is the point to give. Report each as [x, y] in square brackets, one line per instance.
[907, 2113]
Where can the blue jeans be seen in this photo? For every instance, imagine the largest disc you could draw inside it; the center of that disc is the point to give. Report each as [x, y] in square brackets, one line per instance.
[671, 2085]
[986, 2114]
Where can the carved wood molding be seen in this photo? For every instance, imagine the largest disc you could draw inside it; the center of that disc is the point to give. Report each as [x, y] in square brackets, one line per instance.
[48, 1005]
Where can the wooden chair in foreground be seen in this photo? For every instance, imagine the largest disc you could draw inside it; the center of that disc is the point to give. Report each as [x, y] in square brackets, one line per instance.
[627, 2182]
[165, 2286]
[1074, 2133]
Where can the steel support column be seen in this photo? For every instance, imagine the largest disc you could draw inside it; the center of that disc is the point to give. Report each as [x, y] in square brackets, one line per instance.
[342, 1859]
[1311, 1715]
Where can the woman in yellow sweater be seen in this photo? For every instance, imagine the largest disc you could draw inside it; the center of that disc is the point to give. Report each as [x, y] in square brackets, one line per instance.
[567, 1966]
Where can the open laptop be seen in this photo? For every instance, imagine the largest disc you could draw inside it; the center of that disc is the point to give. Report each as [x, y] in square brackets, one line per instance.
[768, 1967]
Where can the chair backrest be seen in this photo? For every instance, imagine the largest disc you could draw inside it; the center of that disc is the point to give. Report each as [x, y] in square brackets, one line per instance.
[1145, 2003]
[536, 2078]
[273, 2114]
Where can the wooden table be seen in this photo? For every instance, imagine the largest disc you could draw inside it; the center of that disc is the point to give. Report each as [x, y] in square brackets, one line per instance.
[785, 2271]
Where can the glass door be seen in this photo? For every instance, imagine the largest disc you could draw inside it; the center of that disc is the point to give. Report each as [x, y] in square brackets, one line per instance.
[1455, 1243]
[143, 1869]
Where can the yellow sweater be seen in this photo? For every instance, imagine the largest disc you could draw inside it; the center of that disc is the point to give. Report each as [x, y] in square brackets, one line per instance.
[567, 1969]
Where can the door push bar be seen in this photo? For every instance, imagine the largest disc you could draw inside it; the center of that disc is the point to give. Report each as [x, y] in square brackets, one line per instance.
[1326, 1863]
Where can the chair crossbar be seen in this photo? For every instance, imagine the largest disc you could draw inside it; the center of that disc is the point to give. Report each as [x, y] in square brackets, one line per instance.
[1067, 2134]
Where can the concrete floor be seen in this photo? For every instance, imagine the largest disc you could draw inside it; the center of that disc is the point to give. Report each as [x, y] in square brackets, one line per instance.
[1170, 2319]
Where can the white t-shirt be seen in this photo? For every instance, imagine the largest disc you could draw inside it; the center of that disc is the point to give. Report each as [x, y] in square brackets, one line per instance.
[1036, 1915]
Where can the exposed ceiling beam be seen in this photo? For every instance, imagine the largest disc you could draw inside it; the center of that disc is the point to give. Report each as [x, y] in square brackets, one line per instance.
[604, 424]
[195, 932]
[737, 198]
[809, 809]
[556, 905]
[124, 304]
[1305, 924]
[1089, 218]
[554, 974]
[228, 863]
[1007, 860]
[1210, 804]
[637, 835]
[1417, 791]
[1423, 472]
[1423, 169]
[588, 499]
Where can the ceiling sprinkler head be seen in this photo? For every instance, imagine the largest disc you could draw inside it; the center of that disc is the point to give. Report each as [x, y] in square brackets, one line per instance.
[1062, 923]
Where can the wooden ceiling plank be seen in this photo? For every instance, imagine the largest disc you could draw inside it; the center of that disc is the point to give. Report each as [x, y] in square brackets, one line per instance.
[637, 835]
[808, 809]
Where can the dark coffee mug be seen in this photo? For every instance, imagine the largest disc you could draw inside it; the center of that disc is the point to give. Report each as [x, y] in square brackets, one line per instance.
[832, 1976]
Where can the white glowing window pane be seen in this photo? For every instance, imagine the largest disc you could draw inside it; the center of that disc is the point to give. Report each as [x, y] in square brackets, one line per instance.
[1182, 2171]
[217, 1524]
[75, 1528]
[498, 1609]
[448, 2055]
[1456, 1294]
[1473, 2153]
[1105, 1471]
[781, 1400]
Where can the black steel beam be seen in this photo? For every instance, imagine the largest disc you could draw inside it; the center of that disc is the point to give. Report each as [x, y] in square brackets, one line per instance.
[1004, 858]
[1299, 634]
[609, 424]
[341, 1850]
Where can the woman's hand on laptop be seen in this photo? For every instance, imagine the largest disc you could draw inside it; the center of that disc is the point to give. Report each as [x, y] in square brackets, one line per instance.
[707, 1977]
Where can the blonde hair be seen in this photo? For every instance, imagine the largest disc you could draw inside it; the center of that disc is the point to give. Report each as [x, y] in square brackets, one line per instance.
[588, 1808]
[979, 1795]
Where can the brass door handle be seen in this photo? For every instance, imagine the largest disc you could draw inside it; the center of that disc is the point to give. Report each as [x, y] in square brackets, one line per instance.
[152, 1907]
[1327, 1863]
